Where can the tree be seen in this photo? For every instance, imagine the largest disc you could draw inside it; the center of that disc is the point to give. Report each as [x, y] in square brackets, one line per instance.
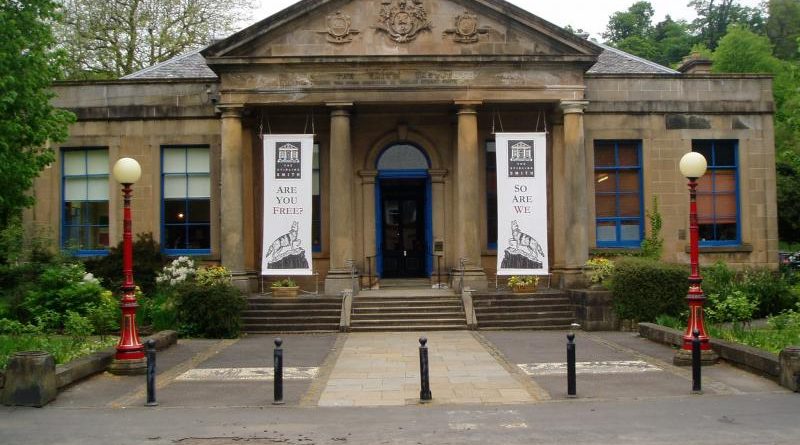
[742, 51]
[636, 21]
[783, 27]
[28, 66]
[714, 17]
[112, 38]
[673, 40]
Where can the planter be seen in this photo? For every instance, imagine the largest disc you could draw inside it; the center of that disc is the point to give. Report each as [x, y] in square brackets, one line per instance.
[285, 292]
[524, 289]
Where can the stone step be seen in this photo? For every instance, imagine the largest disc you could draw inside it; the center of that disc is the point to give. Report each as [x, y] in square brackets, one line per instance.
[406, 303]
[505, 309]
[249, 314]
[305, 327]
[266, 314]
[270, 320]
[438, 308]
[459, 321]
[520, 303]
[425, 328]
[527, 315]
[530, 323]
[407, 315]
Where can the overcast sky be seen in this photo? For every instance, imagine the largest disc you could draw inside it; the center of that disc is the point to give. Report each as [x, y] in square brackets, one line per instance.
[589, 15]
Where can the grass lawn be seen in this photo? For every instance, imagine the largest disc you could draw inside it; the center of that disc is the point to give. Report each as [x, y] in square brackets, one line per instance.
[63, 348]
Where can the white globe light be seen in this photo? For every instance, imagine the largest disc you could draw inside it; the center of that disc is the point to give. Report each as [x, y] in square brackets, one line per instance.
[127, 171]
[693, 165]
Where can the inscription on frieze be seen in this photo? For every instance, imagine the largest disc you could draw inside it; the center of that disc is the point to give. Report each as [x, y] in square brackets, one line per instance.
[402, 20]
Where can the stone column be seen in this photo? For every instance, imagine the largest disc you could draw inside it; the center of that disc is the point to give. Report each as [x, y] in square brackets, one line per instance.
[368, 178]
[438, 209]
[341, 201]
[468, 239]
[576, 212]
[231, 203]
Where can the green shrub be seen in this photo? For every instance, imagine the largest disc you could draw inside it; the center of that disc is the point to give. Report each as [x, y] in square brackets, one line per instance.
[653, 244]
[718, 279]
[159, 310]
[644, 289]
[735, 307]
[77, 326]
[773, 293]
[105, 314]
[147, 262]
[209, 311]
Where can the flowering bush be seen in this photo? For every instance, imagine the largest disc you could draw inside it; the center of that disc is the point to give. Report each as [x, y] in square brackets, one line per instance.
[523, 280]
[178, 271]
[600, 270]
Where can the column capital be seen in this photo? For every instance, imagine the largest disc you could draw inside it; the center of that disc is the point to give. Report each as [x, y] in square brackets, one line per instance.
[368, 176]
[339, 105]
[437, 176]
[231, 110]
[467, 106]
[574, 106]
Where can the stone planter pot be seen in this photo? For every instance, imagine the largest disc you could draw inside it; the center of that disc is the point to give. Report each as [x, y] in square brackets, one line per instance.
[30, 379]
[524, 288]
[285, 292]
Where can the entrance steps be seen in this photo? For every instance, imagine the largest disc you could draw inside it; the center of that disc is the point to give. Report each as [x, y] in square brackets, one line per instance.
[312, 313]
[407, 309]
[544, 309]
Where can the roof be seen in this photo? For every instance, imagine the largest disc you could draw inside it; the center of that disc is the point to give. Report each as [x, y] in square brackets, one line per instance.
[614, 61]
[191, 65]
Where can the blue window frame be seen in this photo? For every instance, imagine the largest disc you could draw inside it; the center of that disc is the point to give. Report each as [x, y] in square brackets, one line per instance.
[718, 193]
[618, 193]
[84, 198]
[186, 200]
[316, 204]
[491, 195]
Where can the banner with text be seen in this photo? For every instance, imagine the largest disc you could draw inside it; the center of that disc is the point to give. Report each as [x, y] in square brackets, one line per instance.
[522, 204]
[287, 204]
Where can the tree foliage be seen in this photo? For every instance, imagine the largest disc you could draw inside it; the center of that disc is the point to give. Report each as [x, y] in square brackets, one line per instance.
[783, 27]
[28, 66]
[742, 51]
[636, 21]
[715, 16]
[112, 38]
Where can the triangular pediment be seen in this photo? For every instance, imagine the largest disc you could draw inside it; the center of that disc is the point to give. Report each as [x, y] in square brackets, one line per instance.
[346, 28]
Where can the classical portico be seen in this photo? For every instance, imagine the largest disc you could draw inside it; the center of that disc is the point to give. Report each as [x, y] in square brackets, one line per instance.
[431, 88]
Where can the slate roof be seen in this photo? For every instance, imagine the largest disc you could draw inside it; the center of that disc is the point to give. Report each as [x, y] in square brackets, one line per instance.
[614, 61]
[192, 65]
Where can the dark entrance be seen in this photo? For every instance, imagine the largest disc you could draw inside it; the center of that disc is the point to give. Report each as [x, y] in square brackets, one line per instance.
[403, 219]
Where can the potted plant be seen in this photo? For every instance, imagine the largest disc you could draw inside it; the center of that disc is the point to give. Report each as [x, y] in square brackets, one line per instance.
[285, 288]
[523, 283]
[598, 271]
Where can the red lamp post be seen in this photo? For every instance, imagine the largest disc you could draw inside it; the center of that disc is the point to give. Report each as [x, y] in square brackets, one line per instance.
[130, 358]
[693, 166]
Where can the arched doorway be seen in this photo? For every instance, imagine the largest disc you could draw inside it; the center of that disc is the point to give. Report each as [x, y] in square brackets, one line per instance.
[403, 212]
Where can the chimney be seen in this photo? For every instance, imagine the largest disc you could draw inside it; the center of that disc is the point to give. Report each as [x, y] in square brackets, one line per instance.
[695, 63]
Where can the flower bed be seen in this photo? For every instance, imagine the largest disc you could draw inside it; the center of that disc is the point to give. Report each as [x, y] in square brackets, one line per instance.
[62, 348]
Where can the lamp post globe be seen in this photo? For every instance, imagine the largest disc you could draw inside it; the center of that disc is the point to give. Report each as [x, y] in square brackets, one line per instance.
[693, 166]
[127, 171]
[130, 357]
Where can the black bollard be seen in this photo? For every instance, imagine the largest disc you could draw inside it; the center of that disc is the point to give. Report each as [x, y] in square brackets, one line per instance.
[278, 378]
[696, 365]
[150, 351]
[425, 391]
[571, 392]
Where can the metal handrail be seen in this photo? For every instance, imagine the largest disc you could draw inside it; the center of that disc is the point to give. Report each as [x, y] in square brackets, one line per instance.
[370, 283]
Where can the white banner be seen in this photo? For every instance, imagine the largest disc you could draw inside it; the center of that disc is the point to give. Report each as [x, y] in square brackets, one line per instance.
[522, 204]
[287, 204]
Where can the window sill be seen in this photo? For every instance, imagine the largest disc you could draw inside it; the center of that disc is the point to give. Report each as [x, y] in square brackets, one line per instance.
[615, 251]
[741, 248]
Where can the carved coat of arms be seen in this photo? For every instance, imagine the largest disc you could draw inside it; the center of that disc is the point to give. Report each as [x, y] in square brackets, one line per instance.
[467, 29]
[339, 30]
[403, 19]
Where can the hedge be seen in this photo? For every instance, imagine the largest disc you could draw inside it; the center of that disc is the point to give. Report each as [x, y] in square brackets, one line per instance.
[644, 289]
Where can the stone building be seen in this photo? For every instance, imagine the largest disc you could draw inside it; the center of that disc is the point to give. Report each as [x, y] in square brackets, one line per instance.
[404, 98]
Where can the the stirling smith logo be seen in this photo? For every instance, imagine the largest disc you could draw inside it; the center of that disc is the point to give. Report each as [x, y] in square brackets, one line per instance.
[403, 19]
[520, 159]
[287, 160]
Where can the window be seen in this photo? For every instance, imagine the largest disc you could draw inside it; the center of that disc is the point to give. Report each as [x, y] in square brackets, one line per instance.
[618, 193]
[316, 204]
[186, 200]
[85, 200]
[717, 193]
[491, 195]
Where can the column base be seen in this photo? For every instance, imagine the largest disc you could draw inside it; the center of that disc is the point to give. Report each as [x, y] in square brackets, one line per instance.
[247, 282]
[136, 366]
[570, 278]
[683, 357]
[474, 278]
[338, 280]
